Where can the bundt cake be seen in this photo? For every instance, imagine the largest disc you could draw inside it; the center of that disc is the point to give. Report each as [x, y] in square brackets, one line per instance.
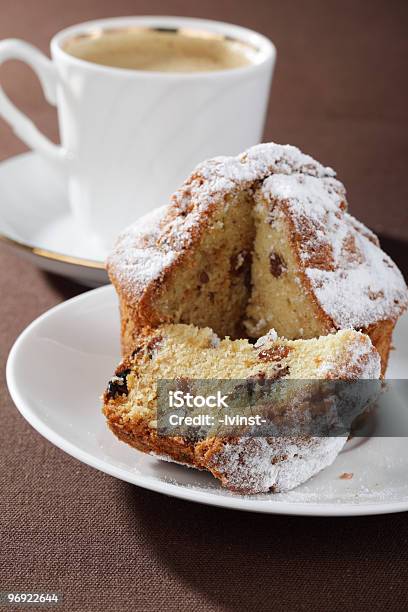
[253, 242]
[242, 463]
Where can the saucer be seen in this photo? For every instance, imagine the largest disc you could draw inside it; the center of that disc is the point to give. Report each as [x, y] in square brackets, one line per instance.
[78, 342]
[35, 221]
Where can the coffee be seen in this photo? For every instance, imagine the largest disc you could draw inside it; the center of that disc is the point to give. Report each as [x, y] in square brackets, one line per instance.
[161, 50]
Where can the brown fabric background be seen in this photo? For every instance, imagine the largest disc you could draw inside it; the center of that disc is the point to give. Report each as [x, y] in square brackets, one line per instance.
[340, 93]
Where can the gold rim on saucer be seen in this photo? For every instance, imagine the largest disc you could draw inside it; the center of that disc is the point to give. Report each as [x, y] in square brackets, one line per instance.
[52, 255]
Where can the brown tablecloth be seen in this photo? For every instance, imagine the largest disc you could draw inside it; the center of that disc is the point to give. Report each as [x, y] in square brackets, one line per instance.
[340, 93]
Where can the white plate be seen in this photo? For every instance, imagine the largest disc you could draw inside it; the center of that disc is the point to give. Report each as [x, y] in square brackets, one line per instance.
[59, 367]
[36, 222]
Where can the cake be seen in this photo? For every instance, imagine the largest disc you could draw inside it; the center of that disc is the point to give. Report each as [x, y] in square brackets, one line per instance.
[244, 464]
[254, 242]
[249, 244]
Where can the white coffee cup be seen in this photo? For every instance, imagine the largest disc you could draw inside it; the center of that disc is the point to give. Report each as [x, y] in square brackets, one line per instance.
[130, 137]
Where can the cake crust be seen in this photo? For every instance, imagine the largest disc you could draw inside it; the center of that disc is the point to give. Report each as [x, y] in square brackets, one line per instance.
[348, 280]
[248, 243]
[245, 465]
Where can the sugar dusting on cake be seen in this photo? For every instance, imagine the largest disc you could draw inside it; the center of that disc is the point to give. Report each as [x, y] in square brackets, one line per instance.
[271, 336]
[152, 244]
[316, 202]
[220, 176]
[279, 464]
[275, 464]
[136, 259]
[354, 281]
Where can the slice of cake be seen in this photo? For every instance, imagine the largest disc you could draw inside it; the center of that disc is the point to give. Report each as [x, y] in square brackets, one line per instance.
[257, 241]
[186, 353]
[315, 268]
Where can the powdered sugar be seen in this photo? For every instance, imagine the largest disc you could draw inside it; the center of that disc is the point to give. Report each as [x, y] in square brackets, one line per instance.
[372, 290]
[264, 464]
[217, 177]
[354, 281]
[356, 284]
[257, 465]
[147, 248]
[137, 260]
[271, 336]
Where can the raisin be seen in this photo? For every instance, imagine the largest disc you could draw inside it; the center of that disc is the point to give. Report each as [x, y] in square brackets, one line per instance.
[118, 385]
[258, 377]
[279, 458]
[204, 278]
[276, 353]
[276, 264]
[375, 295]
[255, 380]
[153, 345]
[281, 372]
[183, 384]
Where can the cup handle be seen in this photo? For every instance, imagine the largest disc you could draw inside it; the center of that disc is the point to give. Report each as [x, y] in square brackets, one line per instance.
[20, 123]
